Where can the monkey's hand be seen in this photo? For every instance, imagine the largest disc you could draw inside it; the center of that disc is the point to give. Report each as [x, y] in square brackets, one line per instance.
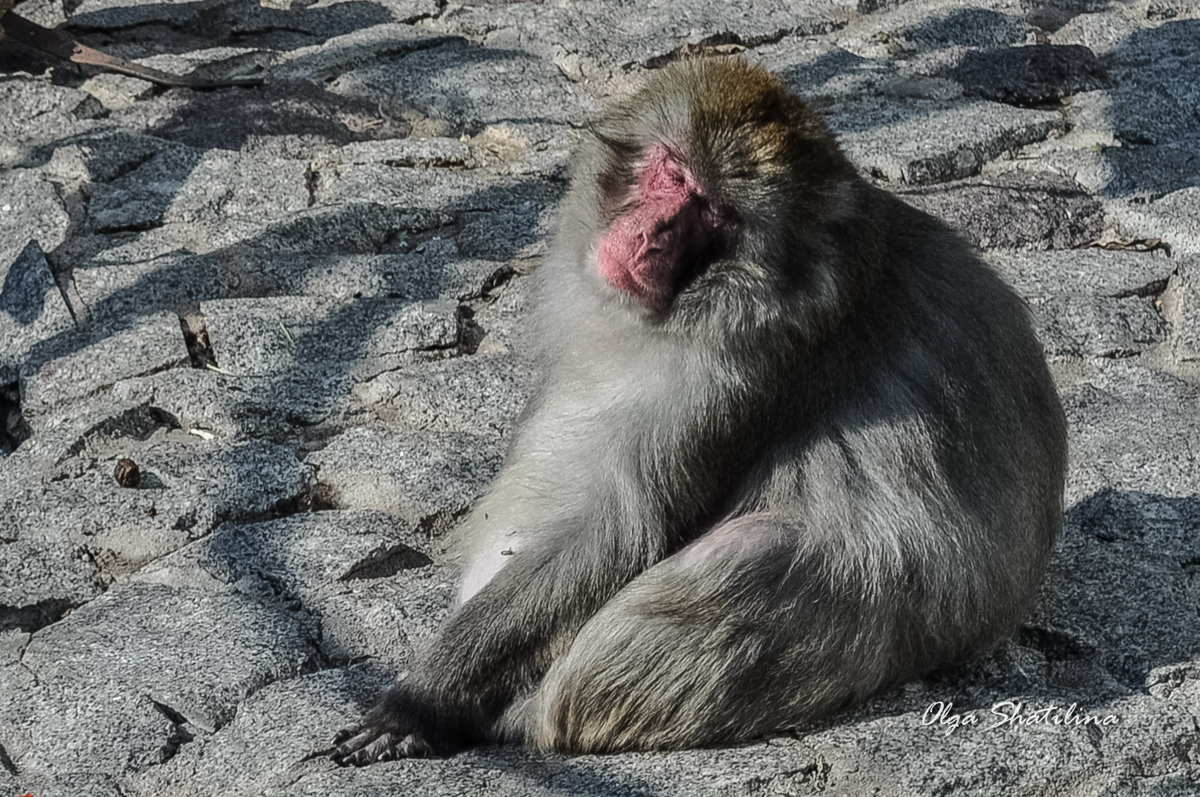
[397, 727]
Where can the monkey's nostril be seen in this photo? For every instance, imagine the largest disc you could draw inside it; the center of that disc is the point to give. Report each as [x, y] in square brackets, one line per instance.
[664, 225]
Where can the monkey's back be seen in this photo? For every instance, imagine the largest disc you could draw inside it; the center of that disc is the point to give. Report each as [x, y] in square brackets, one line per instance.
[936, 465]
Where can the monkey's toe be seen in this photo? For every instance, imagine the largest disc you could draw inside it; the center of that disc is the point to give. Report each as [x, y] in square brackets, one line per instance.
[366, 745]
[413, 746]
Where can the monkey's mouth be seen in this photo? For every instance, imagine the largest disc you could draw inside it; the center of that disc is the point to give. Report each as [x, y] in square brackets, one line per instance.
[640, 260]
[652, 256]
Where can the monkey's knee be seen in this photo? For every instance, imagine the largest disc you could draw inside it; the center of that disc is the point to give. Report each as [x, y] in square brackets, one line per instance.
[738, 542]
[611, 693]
[658, 666]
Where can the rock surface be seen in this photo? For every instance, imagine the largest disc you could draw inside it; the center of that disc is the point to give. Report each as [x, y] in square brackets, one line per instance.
[299, 310]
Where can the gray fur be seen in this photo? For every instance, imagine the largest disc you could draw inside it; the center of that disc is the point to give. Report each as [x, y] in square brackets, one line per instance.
[835, 463]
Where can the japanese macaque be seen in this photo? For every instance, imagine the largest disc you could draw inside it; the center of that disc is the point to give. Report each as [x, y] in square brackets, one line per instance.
[793, 443]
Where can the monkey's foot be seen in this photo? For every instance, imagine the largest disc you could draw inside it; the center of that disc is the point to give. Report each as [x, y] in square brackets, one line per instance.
[371, 743]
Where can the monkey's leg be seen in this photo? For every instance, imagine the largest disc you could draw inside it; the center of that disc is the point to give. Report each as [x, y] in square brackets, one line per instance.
[496, 647]
[751, 629]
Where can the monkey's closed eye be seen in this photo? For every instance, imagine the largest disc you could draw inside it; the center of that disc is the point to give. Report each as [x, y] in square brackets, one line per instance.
[618, 147]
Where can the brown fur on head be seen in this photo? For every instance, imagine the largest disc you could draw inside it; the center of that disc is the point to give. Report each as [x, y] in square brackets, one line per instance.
[745, 118]
[738, 123]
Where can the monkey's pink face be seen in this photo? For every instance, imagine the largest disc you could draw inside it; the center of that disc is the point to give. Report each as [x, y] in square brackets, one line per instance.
[670, 231]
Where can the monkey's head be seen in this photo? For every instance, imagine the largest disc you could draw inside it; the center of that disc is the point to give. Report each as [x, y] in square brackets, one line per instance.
[712, 187]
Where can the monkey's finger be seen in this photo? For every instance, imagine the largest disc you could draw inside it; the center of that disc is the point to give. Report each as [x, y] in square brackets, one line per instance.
[328, 752]
[362, 748]
[382, 749]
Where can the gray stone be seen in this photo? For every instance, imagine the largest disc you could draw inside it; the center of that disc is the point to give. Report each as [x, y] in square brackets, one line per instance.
[1095, 326]
[431, 269]
[13, 429]
[284, 118]
[1181, 306]
[376, 587]
[30, 210]
[151, 344]
[1015, 211]
[116, 92]
[257, 337]
[1124, 542]
[914, 29]
[1029, 76]
[343, 52]
[469, 87]
[296, 556]
[383, 182]
[384, 619]
[279, 727]
[231, 408]
[12, 645]
[124, 679]
[94, 531]
[141, 198]
[43, 12]
[39, 583]
[64, 433]
[1174, 218]
[1090, 302]
[32, 310]
[427, 479]
[526, 148]
[605, 33]
[98, 14]
[341, 228]
[1084, 272]
[279, 25]
[505, 322]
[101, 156]
[72, 784]
[919, 142]
[821, 72]
[1146, 173]
[1121, 143]
[871, 6]
[436, 152]
[1158, 83]
[37, 111]
[1132, 431]
[1102, 33]
[177, 282]
[962, 27]
[189, 186]
[464, 394]
[1146, 112]
[514, 231]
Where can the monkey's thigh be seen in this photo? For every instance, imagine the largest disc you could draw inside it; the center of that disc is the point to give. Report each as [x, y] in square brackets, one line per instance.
[750, 629]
